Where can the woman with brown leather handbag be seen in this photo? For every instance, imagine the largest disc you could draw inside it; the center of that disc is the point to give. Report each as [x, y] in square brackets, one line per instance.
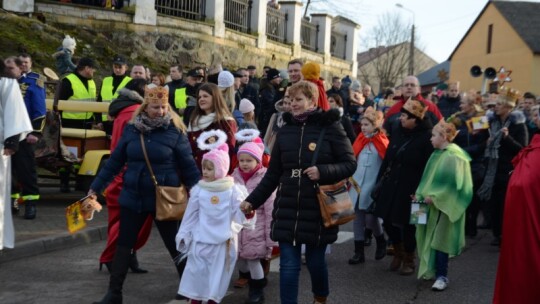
[170, 156]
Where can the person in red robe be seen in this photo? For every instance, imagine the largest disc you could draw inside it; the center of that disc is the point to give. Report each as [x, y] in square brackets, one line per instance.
[518, 274]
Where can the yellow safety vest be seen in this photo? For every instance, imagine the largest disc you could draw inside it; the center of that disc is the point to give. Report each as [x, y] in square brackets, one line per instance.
[80, 93]
[180, 98]
[107, 94]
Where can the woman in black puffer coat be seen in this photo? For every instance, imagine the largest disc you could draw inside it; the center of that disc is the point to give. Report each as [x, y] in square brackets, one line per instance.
[296, 218]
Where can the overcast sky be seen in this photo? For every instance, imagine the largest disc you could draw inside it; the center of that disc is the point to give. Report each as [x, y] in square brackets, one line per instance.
[440, 24]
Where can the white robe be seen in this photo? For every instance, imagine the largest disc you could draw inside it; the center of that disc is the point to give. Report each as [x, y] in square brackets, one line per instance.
[209, 234]
[13, 120]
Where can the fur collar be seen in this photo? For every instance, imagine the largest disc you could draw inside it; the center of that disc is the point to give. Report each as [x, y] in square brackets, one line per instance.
[319, 117]
[133, 95]
[516, 117]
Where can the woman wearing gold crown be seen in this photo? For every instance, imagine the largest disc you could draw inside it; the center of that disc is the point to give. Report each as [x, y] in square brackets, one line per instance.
[169, 153]
[408, 152]
[508, 135]
[446, 186]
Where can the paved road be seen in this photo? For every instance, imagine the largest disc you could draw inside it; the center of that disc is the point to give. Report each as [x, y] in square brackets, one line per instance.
[71, 276]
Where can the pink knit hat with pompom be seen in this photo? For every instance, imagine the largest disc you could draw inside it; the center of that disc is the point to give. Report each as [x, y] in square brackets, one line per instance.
[254, 148]
[220, 158]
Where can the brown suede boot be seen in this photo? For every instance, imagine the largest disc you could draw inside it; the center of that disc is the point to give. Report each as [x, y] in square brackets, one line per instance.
[319, 300]
[398, 257]
[408, 266]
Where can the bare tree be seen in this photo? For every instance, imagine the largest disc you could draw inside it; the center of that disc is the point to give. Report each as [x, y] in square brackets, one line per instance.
[386, 61]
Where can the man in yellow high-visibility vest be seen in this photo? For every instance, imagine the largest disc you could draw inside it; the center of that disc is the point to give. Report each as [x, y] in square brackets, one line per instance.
[79, 86]
[110, 87]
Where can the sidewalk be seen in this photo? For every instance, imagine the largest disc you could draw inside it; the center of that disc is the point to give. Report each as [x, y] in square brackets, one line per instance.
[48, 231]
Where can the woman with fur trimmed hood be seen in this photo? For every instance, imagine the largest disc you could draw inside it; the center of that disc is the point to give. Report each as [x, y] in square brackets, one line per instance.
[508, 135]
[296, 218]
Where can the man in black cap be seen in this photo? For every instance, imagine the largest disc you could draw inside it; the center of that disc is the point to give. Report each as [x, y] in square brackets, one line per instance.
[185, 97]
[269, 95]
[110, 87]
[254, 81]
[79, 86]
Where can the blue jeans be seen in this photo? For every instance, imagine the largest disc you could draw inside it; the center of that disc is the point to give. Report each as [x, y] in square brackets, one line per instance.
[289, 271]
[441, 264]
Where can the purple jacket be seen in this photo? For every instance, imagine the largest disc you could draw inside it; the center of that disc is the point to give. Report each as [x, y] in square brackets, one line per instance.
[256, 243]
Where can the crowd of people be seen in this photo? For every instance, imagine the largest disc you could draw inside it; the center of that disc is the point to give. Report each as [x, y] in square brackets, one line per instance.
[422, 168]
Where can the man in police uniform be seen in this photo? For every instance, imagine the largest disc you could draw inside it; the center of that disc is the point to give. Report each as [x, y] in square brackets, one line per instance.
[110, 87]
[24, 187]
[79, 86]
[175, 85]
[186, 97]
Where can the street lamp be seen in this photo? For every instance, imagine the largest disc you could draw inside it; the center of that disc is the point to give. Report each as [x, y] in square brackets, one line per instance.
[411, 51]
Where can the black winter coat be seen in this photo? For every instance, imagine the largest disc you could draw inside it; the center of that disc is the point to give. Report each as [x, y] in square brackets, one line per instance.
[406, 169]
[296, 217]
[169, 153]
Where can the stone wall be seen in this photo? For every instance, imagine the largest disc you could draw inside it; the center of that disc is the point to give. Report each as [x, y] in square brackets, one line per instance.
[185, 42]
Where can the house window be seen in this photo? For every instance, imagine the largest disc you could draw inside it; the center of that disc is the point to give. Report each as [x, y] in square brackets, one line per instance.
[489, 38]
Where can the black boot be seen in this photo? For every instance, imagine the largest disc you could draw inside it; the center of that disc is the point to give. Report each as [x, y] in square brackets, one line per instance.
[30, 210]
[134, 264]
[64, 181]
[14, 206]
[120, 266]
[256, 291]
[380, 251]
[358, 253]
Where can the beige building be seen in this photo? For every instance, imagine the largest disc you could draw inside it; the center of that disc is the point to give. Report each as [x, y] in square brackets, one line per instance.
[386, 66]
[506, 34]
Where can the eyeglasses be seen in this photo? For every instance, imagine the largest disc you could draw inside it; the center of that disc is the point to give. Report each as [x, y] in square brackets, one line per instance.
[412, 85]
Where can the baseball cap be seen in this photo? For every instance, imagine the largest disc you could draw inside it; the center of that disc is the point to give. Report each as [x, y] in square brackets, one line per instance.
[119, 60]
[86, 62]
[194, 73]
[272, 74]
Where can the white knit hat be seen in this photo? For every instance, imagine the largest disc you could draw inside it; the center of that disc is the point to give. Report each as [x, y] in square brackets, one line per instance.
[246, 106]
[225, 79]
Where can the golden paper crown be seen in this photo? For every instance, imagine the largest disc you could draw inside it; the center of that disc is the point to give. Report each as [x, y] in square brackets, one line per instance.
[416, 108]
[448, 130]
[156, 95]
[509, 94]
[375, 117]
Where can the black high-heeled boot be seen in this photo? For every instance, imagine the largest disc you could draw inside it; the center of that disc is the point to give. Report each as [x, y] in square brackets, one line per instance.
[134, 264]
[119, 271]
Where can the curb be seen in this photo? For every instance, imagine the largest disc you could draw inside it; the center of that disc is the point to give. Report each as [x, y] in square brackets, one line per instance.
[53, 243]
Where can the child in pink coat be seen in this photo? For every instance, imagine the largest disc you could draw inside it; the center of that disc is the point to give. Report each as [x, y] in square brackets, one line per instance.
[255, 244]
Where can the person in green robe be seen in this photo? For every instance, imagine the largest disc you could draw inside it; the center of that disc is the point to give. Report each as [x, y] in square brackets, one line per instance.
[446, 187]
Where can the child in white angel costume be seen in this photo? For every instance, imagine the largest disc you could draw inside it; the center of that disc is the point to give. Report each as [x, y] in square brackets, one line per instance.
[209, 230]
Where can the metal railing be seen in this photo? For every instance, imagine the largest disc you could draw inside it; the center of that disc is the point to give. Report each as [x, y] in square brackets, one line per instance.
[238, 15]
[187, 9]
[276, 24]
[338, 45]
[309, 35]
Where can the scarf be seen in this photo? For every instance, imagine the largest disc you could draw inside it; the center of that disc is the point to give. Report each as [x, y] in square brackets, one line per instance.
[247, 175]
[379, 140]
[218, 185]
[301, 118]
[322, 101]
[492, 154]
[145, 124]
[202, 123]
